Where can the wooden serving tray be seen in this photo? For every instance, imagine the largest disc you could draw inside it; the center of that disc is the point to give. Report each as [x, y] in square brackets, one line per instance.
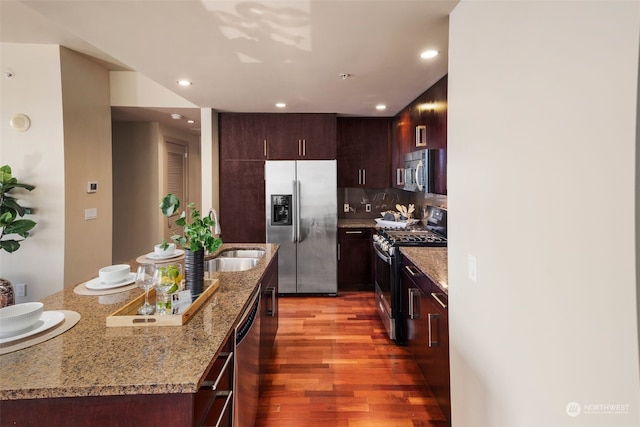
[128, 316]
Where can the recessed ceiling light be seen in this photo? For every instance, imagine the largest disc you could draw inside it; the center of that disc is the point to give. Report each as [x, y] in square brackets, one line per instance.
[175, 116]
[427, 54]
[191, 121]
[184, 83]
[381, 107]
[281, 105]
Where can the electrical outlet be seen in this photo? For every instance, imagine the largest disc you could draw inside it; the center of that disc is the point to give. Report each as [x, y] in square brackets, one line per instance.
[21, 289]
[367, 207]
[346, 207]
[472, 268]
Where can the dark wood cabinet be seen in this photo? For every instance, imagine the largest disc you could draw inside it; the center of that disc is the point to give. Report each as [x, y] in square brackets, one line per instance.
[242, 201]
[243, 136]
[269, 314]
[355, 259]
[429, 110]
[363, 152]
[267, 136]
[427, 326]
[302, 137]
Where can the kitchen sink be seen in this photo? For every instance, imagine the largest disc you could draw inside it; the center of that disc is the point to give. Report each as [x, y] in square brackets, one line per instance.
[225, 264]
[242, 253]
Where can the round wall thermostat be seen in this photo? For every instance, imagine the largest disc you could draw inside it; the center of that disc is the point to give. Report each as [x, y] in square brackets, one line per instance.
[20, 122]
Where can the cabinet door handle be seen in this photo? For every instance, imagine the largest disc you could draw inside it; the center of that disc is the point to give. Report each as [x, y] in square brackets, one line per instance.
[414, 309]
[304, 147]
[433, 321]
[411, 271]
[437, 298]
[364, 177]
[353, 232]
[359, 176]
[272, 310]
[338, 251]
[264, 147]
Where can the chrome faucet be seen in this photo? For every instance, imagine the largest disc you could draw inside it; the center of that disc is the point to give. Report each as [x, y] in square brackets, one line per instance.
[216, 226]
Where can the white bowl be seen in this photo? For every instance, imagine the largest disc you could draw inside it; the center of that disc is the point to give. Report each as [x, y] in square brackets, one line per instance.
[114, 273]
[15, 318]
[164, 253]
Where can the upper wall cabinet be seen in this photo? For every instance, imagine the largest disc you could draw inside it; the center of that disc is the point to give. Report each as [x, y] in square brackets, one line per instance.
[423, 124]
[363, 152]
[264, 136]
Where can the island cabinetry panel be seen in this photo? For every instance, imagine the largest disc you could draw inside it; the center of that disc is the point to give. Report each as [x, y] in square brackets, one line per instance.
[264, 136]
[363, 152]
[355, 259]
[427, 328]
[269, 314]
[242, 201]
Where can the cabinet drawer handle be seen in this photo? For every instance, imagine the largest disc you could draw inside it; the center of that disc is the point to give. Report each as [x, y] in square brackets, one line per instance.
[213, 385]
[433, 321]
[414, 309]
[410, 269]
[272, 310]
[224, 408]
[437, 298]
[353, 232]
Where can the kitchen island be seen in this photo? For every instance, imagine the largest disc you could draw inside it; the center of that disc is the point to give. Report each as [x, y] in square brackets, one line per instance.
[133, 375]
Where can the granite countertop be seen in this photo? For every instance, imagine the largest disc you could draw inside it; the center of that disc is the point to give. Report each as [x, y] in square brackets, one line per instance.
[356, 223]
[93, 360]
[432, 262]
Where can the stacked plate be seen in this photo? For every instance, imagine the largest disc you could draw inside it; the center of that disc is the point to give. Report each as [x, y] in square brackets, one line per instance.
[24, 320]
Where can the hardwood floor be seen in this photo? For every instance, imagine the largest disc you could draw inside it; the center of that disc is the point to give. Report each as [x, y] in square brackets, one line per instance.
[333, 366]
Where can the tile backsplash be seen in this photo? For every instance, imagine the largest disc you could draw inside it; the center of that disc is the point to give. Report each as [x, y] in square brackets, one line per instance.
[381, 200]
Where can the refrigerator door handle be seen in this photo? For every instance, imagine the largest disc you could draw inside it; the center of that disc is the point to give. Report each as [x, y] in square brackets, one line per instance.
[298, 203]
[293, 210]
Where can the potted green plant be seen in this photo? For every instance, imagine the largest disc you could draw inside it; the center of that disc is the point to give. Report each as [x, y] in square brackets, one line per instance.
[11, 224]
[197, 238]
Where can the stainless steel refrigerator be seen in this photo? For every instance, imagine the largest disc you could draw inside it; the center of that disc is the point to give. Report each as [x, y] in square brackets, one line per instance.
[302, 217]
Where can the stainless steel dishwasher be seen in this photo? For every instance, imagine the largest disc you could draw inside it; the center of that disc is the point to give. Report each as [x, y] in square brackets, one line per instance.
[247, 359]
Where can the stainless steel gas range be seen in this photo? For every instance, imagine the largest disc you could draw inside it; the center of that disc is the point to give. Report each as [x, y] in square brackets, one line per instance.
[386, 244]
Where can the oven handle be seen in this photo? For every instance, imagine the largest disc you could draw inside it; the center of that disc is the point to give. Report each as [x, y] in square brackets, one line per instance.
[384, 257]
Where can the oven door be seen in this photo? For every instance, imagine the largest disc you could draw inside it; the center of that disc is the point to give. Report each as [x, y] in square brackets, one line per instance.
[383, 274]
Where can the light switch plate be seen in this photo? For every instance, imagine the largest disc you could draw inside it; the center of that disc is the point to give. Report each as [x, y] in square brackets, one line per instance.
[91, 213]
[472, 268]
[367, 207]
[346, 207]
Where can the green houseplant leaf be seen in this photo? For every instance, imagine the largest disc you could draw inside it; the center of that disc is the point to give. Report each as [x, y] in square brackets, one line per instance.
[197, 231]
[11, 211]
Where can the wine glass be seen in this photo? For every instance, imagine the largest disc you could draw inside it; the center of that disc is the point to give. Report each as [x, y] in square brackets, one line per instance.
[145, 280]
[167, 279]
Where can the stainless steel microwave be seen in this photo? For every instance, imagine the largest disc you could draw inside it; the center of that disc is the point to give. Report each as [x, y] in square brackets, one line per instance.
[418, 171]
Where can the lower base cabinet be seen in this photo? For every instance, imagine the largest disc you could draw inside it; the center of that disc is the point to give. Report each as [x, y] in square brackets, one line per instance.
[355, 259]
[427, 326]
[213, 405]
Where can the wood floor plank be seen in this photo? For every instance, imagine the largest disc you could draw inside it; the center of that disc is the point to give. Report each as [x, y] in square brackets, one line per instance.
[334, 366]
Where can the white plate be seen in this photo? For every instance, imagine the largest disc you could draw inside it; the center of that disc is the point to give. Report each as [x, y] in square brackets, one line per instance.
[177, 253]
[48, 320]
[97, 285]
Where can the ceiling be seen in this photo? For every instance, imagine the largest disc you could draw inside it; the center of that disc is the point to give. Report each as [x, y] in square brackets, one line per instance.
[246, 56]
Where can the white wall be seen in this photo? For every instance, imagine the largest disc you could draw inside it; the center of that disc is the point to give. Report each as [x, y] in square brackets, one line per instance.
[36, 157]
[87, 151]
[542, 152]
